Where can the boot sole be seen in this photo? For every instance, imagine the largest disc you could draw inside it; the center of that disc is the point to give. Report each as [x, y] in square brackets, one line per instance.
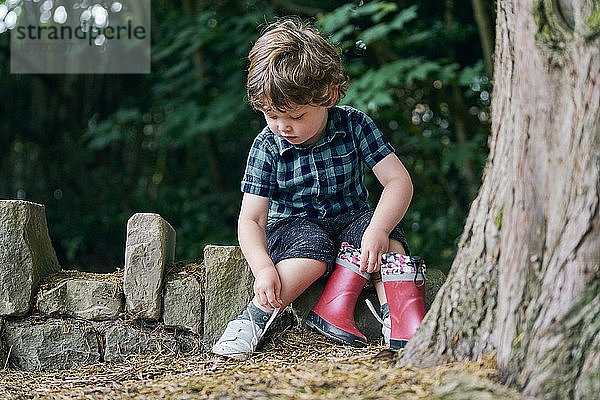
[397, 344]
[314, 321]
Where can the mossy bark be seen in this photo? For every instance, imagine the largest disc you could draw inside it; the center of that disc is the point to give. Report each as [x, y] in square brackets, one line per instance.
[525, 279]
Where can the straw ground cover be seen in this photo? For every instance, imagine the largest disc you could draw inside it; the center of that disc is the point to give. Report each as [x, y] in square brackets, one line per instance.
[53, 280]
[295, 364]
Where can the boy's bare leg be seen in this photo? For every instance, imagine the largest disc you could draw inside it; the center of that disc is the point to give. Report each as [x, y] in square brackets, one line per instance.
[394, 247]
[296, 275]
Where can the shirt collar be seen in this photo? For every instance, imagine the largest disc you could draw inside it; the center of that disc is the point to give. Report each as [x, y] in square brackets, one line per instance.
[334, 126]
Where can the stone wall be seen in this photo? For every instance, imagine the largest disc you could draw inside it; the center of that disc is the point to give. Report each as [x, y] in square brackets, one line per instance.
[26, 254]
[65, 319]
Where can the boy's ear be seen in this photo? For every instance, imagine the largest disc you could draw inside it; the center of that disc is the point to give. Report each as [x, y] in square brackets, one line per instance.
[335, 97]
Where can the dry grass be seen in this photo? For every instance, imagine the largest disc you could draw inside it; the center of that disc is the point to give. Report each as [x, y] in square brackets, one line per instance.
[295, 364]
[53, 280]
[183, 270]
[177, 271]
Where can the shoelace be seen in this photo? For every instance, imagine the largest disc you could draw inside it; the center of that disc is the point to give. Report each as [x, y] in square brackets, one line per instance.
[269, 322]
[376, 314]
[419, 270]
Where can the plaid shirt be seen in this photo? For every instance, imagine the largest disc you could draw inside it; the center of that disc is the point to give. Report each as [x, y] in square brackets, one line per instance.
[322, 180]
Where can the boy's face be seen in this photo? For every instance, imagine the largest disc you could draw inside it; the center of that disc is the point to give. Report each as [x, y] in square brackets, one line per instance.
[298, 125]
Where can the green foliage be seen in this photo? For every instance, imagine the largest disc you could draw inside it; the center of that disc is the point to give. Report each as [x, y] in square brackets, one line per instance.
[113, 130]
[189, 130]
[375, 87]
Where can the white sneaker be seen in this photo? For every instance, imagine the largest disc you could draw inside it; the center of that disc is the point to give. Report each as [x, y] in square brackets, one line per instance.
[241, 337]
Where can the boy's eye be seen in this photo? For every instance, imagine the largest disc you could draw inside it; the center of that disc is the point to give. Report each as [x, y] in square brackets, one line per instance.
[298, 117]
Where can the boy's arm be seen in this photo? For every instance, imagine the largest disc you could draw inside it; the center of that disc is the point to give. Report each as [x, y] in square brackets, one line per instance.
[251, 235]
[394, 201]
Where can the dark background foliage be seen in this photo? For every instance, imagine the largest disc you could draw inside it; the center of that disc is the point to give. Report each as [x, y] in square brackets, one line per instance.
[94, 149]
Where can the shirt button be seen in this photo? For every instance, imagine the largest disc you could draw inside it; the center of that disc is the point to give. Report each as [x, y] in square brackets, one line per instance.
[323, 178]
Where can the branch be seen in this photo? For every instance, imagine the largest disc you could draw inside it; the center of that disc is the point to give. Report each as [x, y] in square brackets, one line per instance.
[485, 34]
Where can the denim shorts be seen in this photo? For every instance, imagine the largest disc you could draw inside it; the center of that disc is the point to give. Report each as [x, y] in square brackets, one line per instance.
[320, 239]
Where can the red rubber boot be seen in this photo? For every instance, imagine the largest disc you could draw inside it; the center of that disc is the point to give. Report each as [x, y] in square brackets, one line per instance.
[333, 315]
[404, 284]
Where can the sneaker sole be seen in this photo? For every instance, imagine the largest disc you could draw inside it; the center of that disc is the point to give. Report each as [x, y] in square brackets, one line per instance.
[226, 352]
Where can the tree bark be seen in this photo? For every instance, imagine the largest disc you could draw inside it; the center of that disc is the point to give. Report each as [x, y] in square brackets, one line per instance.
[525, 281]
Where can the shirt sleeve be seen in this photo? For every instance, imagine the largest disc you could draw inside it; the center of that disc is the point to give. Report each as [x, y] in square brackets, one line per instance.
[259, 177]
[372, 145]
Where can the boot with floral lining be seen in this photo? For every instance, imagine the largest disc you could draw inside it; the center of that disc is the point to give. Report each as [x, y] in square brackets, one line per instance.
[333, 315]
[403, 280]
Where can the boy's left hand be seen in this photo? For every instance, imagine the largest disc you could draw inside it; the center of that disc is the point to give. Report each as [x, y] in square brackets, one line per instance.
[375, 243]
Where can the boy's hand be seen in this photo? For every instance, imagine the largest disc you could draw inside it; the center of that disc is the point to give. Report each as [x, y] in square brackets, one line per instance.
[375, 243]
[267, 288]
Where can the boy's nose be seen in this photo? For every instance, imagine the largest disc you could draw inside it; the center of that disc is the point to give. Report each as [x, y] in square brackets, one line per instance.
[284, 127]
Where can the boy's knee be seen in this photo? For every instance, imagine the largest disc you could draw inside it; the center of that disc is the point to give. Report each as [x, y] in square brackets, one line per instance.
[322, 266]
[319, 269]
[314, 268]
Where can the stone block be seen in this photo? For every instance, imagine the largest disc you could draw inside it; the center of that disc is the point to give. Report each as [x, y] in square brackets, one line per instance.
[183, 303]
[149, 249]
[82, 298]
[50, 345]
[124, 340]
[26, 255]
[228, 288]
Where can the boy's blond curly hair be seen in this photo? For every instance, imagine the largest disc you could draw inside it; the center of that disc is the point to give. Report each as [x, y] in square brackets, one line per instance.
[292, 64]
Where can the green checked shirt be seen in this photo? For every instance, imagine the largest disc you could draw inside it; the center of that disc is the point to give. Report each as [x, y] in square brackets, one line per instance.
[318, 181]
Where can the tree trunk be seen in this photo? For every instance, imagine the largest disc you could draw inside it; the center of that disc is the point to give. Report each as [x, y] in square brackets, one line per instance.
[526, 278]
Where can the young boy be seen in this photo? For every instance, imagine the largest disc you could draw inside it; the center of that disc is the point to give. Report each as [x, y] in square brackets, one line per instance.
[304, 191]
